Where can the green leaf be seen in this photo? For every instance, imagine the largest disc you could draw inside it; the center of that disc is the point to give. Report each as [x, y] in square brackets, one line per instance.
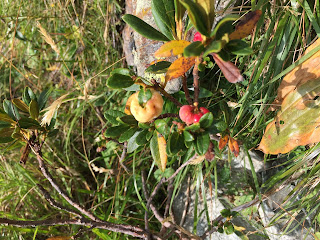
[116, 131]
[21, 105]
[206, 120]
[6, 118]
[188, 137]
[141, 138]
[132, 143]
[144, 28]
[53, 133]
[144, 96]
[29, 123]
[224, 55]
[159, 67]
[228, 228]
[225, 213]
[202, 144]
[225, 25]
[11, 109]
[112, 115]
[6, 132]
[175, 145]
[127, 134]
[25, 96]
[158, 150]
[128, 119]
[4, 124]
[119, 81]
[163, 13]
[122, 71]
[193, 49]
[197, 16]
[218, 126]
[34, 109]
[239, 47]
[162, 126]
[43, 98]
[193, 127]
[214, 47]
[143, 125]
[204, 93]
[158, 174]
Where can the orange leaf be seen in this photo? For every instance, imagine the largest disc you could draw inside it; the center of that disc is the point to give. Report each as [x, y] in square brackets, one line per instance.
[179, 67]
[246, 25]
[308, 70]
[234, 146]
[174, 47]
[162, 144]
[229, 70]
[223, 141]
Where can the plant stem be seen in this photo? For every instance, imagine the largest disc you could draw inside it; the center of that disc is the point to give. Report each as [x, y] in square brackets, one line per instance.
[196, 83]
[185, 89]
[164, 93]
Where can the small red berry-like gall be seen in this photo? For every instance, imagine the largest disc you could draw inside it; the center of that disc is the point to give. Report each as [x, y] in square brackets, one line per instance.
[197, 37]
[189, 114]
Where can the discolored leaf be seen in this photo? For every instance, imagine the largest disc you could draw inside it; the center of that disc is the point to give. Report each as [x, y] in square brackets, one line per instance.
[297, 123]
[34, 109]
[20, 104]
[158, 150]
[246, 25]
[223, 141]
[179, 67]
[6, 118]
[174, 48]
[143, 28]
[234, 146]
[208, 6]
[229, 70]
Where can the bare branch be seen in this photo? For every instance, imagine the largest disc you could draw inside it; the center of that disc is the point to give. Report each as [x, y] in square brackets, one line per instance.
[167, 95]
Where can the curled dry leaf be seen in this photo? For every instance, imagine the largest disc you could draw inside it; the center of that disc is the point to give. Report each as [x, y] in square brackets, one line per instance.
[246, 25]
[234, 146]
[223, 141]
[229, 70]
[174, 47]
[179, 67]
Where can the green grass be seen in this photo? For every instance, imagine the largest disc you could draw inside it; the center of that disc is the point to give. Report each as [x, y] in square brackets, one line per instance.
[114, 195]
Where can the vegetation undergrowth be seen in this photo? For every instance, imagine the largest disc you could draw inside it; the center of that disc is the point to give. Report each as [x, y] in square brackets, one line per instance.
[59, 62]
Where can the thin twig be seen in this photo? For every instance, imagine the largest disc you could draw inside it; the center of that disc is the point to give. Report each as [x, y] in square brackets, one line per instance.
[123, 156]
[186, 205]
[196, 83]
[185, 89]
[167, 95]
[53, 203]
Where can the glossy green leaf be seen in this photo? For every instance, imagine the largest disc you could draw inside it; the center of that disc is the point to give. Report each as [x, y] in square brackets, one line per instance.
[149, 135]
[224, 25]
[112, 115]
[299, 115]
[159, 67]
[175, 145]
[197, 16]
[6, 118]
[43, 98]
[29, 123]
[122, 71]
[128, 119]
[162, 126]
[239, 47]
[144, 96]
[163, 13]
[116, 131]
[34, 109]
[188, 137]
[132, 144]
[225, 213]
[228, 228]
[202, 144]
[206, 120]
[193, 49]
[127, 134]
[119, 81]
[214, 47]
[143, 125]
[11, 109]
[193, 127]
[204, 93]
[26, 97]
[144, 28]
[21, 105]
[142, 137]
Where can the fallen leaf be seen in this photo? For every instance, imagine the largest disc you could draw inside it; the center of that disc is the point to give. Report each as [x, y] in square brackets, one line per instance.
[297, 123]
[179, 67]
[308, 70]
[229, 70]
[246, 25]
[174, 47]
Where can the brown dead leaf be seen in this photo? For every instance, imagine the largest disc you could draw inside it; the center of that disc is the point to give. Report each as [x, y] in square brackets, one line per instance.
[234, 146]
[223, 141]
[179, 67]
[174, 47]
[246, 25]
[229, 70]
[308, 70]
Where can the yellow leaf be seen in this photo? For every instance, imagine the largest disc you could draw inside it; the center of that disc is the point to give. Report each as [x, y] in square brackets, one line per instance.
[179, 67]
[246, 25]
[198, 160]
[174, 47]
[162, 144]
[239, 228]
